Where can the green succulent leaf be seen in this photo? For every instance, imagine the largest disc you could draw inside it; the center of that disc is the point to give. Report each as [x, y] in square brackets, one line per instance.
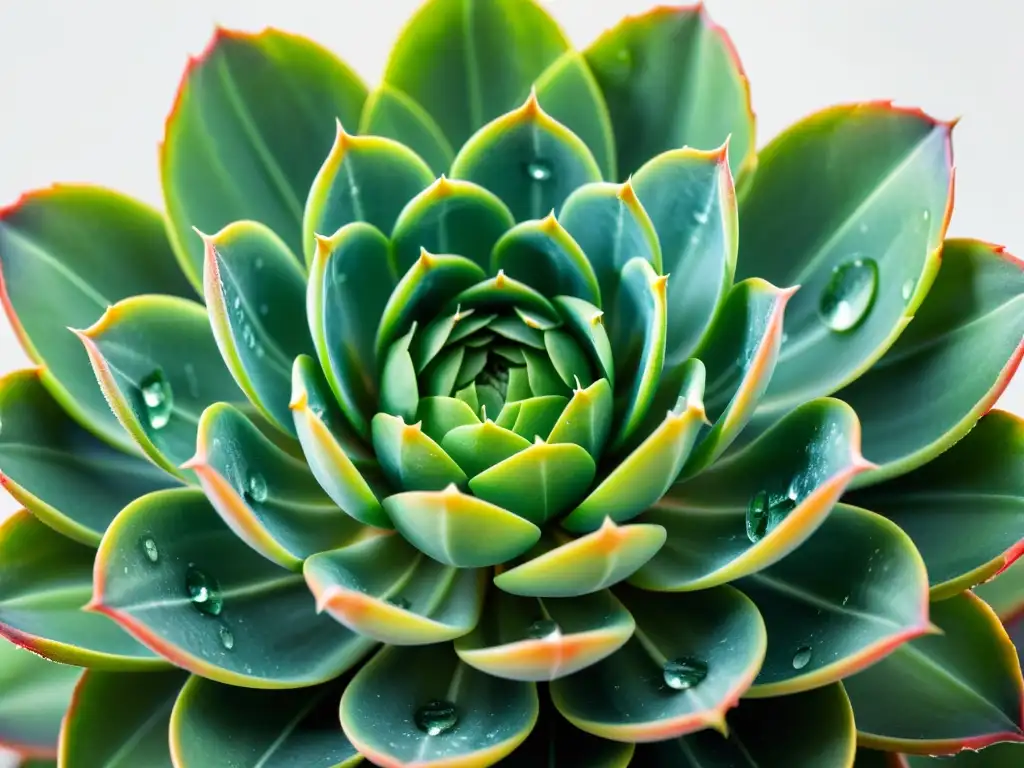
[587, 419]
[759, 736]
[671, 77]
[485, 717]
[585, 322]
[636, 694]
[1005, 592]
[255, 288]
[522, 638]
[39, 441]
[852, 593]
[252, 123]
[688, 195]
[534, 417]
[870, 758]
[755, 507]
[410, 459]
[1003, 755]
[528, 159]
[502, 292]
[943, 693]
[210, 604]
[394, 115]
[466, 63]
[90, 248]
[851, 205]
[35, 696]
[440, 415]
[120, 719]
[475, 447]
[222, 724]
[399, 389]
[949, 366]
[382, 587]
[975, 485]
[269, 499]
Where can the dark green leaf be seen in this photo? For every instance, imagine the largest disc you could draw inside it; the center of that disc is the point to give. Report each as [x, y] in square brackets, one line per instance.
[559, 743]
[1005, 592]
[1004, 755]
[34, 694]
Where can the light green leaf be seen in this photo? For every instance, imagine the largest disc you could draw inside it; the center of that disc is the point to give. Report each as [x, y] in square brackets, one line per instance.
[410, 459]
[393, 115]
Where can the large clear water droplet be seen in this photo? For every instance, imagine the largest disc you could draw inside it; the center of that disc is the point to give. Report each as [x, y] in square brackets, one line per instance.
[684, 673]
[757, 516]
[541, 628]
[150, 549]
[539, 170]
[157, 399]
[256, 488]
[849, 294]
[802, 657]
[908, 289]
[204, 591]
[227, 639]
[436, 717]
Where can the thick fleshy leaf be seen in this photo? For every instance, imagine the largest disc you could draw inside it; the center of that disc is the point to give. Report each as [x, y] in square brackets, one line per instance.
[158, 365]
[586, 323]
[39, 443]
[750, 510]
[1005, 592]
[1004, 755]
[534, 417]
[120, 720]
[975, 486]
[503, 292]
[269, 499]
[173, 574]
[649, 690]
[826, 623]
[528, 159]
[423, 706]
[440, 415]
[763, 733]
[364, 178]
[399, 388]
[871, 758]
[90, 248]
[391, 113]
[587, 419]
[382, 587]
[522, 638]
[410, 459]
[688, 195]
[555, 741]
[460, 530]
[251, 125]
[35, 696]
[214, 724]
[255, 291]
[670, 78]
[45, 581]
[565, 567]
[943, 693]
[467, 63]
[951, 364]
[851, 204]
[475, 447]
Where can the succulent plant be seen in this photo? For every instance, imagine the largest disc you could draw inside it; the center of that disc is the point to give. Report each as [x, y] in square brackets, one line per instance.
[486, 407]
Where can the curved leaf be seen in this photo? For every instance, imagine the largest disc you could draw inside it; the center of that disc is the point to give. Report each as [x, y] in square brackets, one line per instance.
[35, 695]
[558, 742]
[476, 447]
[586, 323]
[1004, 755]
[39, 442]
[410, 459]
[440, 415]
[533, 417]
[949, 367]
[503, 292]
[671, 77]
[852, 593]
[251, 125]
[628, 696]
[385, 710]
[120, 719]
[1005, 592]
[750, 510]
[393, 115]
[209, 603]
[90, 248]
[44, 583]
[587, 419]
[943, 693]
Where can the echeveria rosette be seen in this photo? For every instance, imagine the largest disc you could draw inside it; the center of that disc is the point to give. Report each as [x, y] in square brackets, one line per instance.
[486, 409]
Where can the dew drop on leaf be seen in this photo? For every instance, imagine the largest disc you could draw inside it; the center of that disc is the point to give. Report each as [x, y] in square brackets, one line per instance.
[541, 628]
[757, 516]
[156, 399]
[684, 673]
[538, 170]
[908, 289]
[150, 549]
[849, 294]
[204, 591]
[256, 488]
[227, 639]
[802, 657]
[436, 717]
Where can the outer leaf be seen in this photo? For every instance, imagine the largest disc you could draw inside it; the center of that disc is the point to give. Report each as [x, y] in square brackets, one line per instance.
[391, 113]
[1005, 755]
[801, 219]
[35, 695]
[380, 705]
[255, 290]
[951, 364]
[222, 724]
[265, 636]
[120, 719]
[410, 459]
[975, 485]
[671, 77]
[943, 693]
[44, 582]
[554, 740]
[1005, 592]
[251, 125]
[90, 248]
[625, 697]
[39, 442]
[467, 63]
[801, 465]
[828, 622]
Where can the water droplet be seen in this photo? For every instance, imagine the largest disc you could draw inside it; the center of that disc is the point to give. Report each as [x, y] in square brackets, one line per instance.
[802, 657]
[436, 717]
[150, 548]
[256, 487]
[926, 214]
[849, 294]
[785, 337]
[908, 289]
[157, 399]
[538, 170]
[264, 309]
[701, 217]
[259, 262]
[399, 602]
[684, 673]
[226, 638]
[541, 628]
[237, 304]
[203, 591]
[757, 516]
